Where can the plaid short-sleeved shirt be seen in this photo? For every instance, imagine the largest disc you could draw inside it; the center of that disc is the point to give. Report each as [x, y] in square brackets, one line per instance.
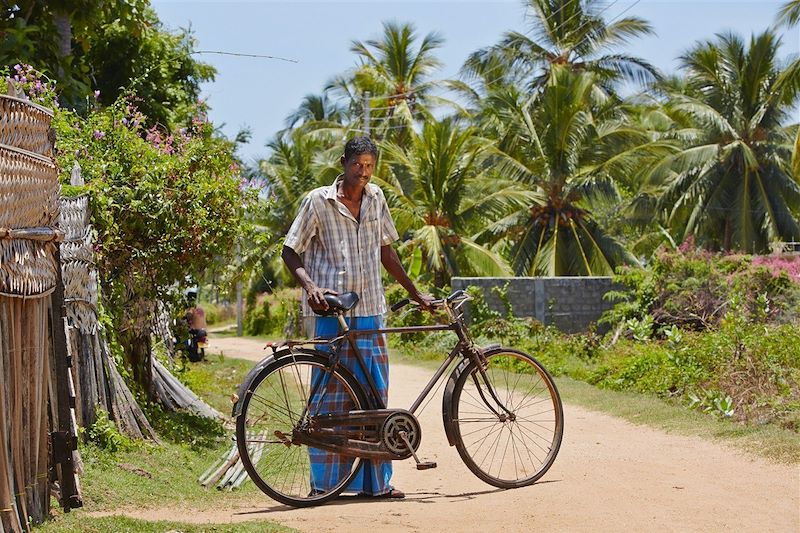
[341, 253]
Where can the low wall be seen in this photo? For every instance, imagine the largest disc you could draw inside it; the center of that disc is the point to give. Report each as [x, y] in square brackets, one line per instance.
[569, 303]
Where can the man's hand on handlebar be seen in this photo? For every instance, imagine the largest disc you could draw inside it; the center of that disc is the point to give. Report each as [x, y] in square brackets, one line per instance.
[426, 301]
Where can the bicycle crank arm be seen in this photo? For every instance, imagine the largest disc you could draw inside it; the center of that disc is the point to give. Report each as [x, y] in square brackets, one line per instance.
[421, 465]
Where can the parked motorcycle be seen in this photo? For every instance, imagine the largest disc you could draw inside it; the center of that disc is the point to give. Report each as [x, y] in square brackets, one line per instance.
[197, 341]
[196, 345]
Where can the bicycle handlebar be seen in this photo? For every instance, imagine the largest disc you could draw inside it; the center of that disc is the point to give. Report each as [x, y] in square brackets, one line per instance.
[459, 294]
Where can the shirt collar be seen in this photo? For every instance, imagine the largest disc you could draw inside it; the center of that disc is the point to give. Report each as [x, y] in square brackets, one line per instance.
[335, 185]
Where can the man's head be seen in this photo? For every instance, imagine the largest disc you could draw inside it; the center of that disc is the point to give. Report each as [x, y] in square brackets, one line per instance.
[358, 161]
[358, 146]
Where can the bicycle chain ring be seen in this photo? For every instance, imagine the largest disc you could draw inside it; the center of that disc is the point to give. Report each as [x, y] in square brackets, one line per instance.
[390, 433]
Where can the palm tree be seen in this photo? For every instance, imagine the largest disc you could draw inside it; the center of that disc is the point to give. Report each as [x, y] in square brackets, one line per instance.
[732, 185]
[789, 14]
[571, 144]
[299, 162]
[570, 33]
[448, 198]
[396, 72]
[316, 108]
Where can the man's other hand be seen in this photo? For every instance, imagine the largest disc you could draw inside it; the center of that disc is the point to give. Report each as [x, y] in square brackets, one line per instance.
[425, 301]
[316, 297]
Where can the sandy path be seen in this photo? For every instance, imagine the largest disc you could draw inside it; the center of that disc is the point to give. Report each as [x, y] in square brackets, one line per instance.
[609, 476]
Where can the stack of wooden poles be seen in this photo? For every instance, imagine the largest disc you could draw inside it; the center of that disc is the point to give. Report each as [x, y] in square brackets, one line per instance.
[228, 472]
[99, 383]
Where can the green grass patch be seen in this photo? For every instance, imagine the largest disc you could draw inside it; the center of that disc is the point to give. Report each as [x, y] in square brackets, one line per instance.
[215, 379]
[78, 522]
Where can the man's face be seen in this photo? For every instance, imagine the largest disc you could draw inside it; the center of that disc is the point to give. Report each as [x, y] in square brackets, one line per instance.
[358, 169]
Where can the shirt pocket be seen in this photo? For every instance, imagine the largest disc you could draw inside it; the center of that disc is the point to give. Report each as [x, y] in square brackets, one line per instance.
[370, 236]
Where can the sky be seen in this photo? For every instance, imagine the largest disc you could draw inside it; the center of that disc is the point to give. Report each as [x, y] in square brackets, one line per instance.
[259, 93]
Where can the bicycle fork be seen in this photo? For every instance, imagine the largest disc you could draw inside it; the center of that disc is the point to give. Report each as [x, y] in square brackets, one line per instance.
[481, 364]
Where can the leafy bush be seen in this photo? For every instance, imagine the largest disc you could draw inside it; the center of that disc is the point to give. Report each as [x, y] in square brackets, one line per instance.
[216, 313]
[105, 435]
[745, 365]
[694, 289]
[275, 314]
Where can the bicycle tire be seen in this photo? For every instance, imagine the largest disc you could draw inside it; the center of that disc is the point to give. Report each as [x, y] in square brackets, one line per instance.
[528, 390]
[271, 403]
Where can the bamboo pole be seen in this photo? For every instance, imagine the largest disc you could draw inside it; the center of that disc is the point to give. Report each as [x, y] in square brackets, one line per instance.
[17, 444]
[8, 505]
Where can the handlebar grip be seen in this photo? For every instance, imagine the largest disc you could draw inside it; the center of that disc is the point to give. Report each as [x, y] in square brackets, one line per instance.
[399, 305]
[455, 295]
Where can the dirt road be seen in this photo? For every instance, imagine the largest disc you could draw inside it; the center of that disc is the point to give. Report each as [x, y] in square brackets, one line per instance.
[609, 476]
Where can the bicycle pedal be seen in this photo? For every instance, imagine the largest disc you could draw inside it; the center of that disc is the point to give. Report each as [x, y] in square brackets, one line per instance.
[426, 465]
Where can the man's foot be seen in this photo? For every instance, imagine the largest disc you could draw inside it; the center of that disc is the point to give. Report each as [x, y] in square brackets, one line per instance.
[394, 493]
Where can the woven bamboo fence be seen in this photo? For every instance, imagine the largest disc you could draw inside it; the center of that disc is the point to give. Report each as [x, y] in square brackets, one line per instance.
[37, 432]
[99, 383]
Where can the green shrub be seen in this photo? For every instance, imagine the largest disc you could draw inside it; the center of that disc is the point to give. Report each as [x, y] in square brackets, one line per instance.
[694, 289]
[217, 313]
[105, 435]
[277, 315]
[257, 319]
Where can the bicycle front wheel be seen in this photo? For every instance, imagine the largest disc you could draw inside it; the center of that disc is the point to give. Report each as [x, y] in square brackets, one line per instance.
[275, 404]
[515, 446]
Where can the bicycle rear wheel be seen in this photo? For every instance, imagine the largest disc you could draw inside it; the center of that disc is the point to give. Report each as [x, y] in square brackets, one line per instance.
[276, 402]
[508, 450]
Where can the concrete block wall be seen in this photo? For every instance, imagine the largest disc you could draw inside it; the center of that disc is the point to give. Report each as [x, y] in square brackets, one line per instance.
[569, 303]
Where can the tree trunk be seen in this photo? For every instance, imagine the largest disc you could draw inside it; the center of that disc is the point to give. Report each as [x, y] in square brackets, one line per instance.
[137, 351]
[135, 337]
[728, 236]
[64, 29]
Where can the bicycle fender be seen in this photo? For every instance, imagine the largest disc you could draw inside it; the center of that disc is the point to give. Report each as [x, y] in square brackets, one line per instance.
[448, 407]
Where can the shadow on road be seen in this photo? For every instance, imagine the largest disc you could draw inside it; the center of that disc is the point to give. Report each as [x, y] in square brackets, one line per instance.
[411, 497]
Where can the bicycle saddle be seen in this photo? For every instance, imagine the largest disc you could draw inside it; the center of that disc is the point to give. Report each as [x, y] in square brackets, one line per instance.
[339, 302]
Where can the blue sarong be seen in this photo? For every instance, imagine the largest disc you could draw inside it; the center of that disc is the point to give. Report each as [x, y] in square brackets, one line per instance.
[328, 468]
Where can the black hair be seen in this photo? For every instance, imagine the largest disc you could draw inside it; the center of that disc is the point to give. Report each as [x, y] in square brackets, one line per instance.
[358, 146]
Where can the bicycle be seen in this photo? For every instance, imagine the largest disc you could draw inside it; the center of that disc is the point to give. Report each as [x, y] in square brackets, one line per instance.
[496, 398]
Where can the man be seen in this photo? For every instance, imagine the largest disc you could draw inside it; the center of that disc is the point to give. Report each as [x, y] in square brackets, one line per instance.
[345, 232]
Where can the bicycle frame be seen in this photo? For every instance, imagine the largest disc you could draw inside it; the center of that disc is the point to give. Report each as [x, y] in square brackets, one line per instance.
[462, 348]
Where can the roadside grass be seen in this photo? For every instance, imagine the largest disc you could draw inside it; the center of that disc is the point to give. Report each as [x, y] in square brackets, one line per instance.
[766, 441]
[138, 475]
[80, 523]
[231, 332]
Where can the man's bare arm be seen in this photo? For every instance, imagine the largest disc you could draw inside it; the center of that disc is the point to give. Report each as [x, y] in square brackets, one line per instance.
[316, 294]
[391, 262]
